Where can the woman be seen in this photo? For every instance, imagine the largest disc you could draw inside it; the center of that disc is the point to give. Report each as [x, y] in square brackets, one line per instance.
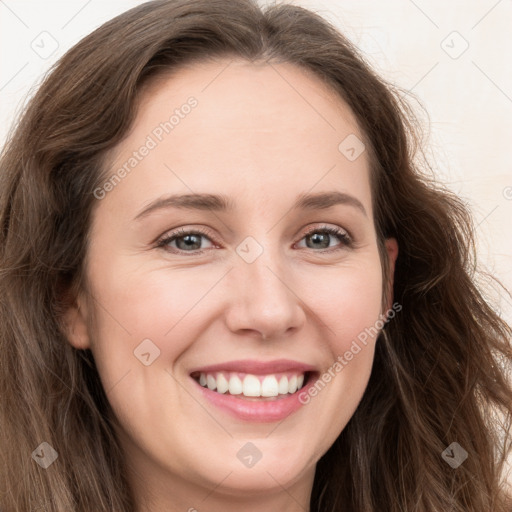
[172, 337]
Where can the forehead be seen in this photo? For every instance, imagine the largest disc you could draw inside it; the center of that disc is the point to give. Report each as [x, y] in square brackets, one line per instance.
[256, 88]
[258, 125]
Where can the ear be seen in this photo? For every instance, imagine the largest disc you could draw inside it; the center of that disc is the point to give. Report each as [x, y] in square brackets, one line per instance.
[74, 323]
[392, 250]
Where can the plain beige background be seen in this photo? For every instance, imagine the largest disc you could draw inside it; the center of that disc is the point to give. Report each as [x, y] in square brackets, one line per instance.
[454, 57]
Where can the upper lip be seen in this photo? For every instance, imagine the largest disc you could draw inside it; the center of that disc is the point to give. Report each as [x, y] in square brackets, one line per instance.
[256, 367]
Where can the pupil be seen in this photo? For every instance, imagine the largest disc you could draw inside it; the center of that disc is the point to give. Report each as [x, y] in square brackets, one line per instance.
[316, 237]
[189, 241]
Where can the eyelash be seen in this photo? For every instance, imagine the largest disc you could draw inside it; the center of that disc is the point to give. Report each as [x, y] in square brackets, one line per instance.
[343, 236]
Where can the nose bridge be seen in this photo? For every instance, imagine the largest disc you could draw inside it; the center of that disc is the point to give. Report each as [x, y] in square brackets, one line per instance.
[264, 301]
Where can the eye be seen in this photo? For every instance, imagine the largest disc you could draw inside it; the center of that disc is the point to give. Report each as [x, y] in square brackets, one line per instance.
[185, 240]
[189, 240]
[320, 238]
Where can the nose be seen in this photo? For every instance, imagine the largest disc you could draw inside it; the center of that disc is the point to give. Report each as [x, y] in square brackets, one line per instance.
[263, 301]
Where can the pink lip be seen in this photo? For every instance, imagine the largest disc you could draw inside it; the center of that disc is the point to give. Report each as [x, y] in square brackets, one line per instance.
[257, 367]
[264, 411]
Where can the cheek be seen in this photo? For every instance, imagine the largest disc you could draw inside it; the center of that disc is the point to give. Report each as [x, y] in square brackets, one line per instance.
[136, 304]
[349, 305]
[348, 301]
[145, 321]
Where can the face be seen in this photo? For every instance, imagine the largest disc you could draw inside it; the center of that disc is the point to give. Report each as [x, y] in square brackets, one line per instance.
[235, 259]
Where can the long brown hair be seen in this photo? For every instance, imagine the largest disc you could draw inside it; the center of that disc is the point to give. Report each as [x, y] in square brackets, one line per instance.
[439, 370]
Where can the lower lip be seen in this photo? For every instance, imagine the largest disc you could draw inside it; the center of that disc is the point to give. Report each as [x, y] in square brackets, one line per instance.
[257, 411]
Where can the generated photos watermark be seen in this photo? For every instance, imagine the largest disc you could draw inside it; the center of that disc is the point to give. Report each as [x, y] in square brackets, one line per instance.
[343, 359]
[156, 136]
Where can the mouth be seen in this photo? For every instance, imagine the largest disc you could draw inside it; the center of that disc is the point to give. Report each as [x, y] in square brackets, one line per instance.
[255, 391]
[253, 387]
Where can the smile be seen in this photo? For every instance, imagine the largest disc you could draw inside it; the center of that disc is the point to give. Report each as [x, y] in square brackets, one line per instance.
[249, 385]
[254, 391]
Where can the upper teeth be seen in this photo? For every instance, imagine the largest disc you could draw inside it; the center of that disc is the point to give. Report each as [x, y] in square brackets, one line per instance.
[252, 385]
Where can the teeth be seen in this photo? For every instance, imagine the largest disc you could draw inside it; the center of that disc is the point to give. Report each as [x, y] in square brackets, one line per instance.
[292, 384]
[235, 385]
[222, 383]
[283, 385]
[252, 385]
[211, 382]
[269, 386]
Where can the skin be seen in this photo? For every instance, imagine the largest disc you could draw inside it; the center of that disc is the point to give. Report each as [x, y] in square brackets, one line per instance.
[262, 135]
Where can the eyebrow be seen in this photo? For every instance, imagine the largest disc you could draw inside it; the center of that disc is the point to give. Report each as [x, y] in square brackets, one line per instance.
[222, 203]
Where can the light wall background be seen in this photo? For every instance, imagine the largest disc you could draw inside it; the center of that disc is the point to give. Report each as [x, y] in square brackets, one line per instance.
[455, 58]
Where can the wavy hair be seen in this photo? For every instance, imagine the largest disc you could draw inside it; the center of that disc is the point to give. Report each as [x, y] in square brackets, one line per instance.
[440, 367]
